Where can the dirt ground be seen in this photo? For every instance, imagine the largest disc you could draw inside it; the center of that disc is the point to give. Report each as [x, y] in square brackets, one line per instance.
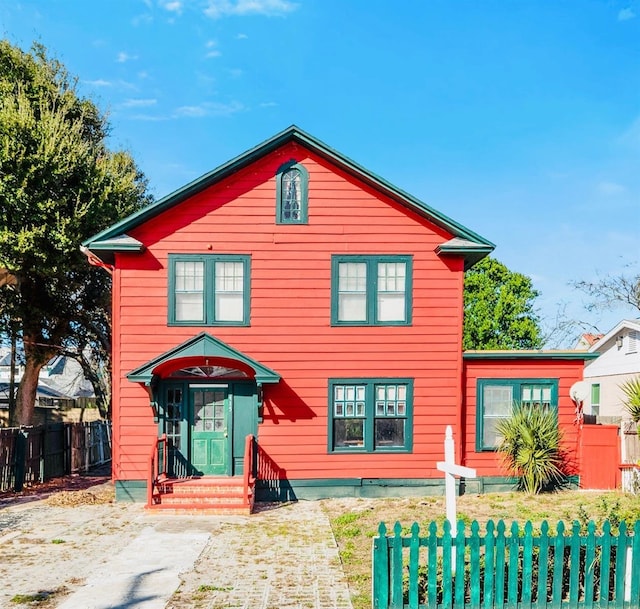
[53, 535]
[52, 539]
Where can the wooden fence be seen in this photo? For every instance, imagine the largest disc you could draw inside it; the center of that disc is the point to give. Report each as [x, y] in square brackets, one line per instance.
[522, 570]
[30, 455]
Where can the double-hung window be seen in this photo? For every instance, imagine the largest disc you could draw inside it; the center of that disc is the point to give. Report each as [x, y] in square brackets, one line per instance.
[292, 194]
[496, 399]
[209, 290]
[371, 290]
[370, 415]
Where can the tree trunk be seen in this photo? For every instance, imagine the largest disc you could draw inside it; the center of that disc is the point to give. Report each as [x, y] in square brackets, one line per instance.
[36, 355]
[27, 390]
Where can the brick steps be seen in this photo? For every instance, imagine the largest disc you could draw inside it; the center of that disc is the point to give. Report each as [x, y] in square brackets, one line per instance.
[204, 495]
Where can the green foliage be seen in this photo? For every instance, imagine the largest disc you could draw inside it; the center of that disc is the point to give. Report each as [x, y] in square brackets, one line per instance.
[59, 185]
[498, 309]
[631, 390]
[531, 448]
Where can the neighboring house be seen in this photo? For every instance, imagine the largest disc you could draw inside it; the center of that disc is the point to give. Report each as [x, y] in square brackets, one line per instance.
[618, 361]
[292, 295]
[60, 382]
[587, 340]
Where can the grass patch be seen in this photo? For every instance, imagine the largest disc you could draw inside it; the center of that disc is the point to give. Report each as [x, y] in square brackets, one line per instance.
[355, 524]
[211, 588]
[58, 541]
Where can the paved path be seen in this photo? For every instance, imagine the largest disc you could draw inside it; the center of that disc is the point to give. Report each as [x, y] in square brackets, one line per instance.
[120, 556]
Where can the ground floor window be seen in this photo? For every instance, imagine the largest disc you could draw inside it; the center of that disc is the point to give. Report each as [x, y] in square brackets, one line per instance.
[370, 415]
[496, 399]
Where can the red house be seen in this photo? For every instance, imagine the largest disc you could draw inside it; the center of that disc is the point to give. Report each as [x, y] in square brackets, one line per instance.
[289, 325]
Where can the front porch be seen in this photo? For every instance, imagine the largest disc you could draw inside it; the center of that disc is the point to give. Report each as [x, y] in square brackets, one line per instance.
[223, 495]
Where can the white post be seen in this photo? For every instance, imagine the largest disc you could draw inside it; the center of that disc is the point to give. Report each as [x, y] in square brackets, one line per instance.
[451, 469]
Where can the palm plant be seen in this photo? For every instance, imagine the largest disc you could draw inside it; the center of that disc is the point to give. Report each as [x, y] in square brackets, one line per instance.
[531, 448]
[631, 390]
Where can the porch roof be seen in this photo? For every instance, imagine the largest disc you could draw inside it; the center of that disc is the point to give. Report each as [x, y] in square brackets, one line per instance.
[203, 345]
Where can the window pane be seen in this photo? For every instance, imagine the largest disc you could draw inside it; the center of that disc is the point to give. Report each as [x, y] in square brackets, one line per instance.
[229, 292]
[291, 196]
[229, 307]
[389, 433]
[189, 290]
[391, 291]
[497, 400]
[189, 306]
[490, 437]
[348, 433]
[352, 291]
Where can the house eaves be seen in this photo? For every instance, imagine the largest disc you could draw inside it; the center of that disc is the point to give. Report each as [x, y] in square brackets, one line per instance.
[115, 237]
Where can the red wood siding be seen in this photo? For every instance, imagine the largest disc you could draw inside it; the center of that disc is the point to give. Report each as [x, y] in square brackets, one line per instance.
[566, 371]
[290, 327]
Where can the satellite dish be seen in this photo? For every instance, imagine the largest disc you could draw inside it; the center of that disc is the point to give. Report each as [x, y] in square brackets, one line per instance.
[579, 391]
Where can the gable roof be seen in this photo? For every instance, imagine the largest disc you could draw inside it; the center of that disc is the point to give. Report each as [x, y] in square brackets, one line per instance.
[629, 324]
[115, 239]
[203, 345]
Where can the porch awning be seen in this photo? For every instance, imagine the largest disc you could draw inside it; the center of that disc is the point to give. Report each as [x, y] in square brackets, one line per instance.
[203, 345]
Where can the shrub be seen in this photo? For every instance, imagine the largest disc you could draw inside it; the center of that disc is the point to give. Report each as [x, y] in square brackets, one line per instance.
[631, 390]
[531, 448]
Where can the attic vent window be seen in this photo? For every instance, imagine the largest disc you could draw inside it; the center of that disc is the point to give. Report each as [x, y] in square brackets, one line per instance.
[632, 343]
[292, 182]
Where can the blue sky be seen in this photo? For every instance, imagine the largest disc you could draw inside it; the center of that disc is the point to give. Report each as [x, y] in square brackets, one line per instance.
[520, 120]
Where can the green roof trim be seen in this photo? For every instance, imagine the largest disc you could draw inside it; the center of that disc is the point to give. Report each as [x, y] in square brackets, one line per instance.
[101, 241]
[473, 252]
[203, 345]
[551, 354]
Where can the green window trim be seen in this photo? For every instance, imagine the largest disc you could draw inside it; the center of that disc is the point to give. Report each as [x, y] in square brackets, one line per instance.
[381, 410]
[595, 398]
[292, 194]
[522, 391]
[212, 283]
[368, 278]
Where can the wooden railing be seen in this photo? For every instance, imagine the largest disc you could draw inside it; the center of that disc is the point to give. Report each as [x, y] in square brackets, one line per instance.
[249, 477]
[157, 466]
[494, 570]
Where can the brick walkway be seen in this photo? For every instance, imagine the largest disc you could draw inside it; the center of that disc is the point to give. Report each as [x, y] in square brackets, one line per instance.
[119, 555]
[280, 558]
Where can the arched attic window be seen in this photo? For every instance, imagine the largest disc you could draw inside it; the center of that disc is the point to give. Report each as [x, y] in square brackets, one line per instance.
[292, 191]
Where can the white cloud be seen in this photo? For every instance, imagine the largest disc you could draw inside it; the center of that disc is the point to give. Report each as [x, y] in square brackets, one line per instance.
[213, 51]
[208, 109]
[224, 8]
[124, 57]
[99, 83]
[610, 188]
[625, 14]
[242, 37]
[138, 103]
[144, 18]
[173, 6]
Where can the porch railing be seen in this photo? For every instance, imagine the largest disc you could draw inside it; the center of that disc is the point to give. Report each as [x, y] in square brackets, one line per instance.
[157, 466]
[249, 474]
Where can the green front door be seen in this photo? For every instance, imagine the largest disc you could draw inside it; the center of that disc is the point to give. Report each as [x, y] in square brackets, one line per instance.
[210, 438]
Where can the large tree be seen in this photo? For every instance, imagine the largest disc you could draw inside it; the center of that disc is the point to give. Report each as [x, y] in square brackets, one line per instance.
[59, 184]
[499, 309]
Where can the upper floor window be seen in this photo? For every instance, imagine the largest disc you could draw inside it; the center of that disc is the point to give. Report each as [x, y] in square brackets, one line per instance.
[371, 290]
[632, 341]
[209, 290]
[292, 192]
[496, 399]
